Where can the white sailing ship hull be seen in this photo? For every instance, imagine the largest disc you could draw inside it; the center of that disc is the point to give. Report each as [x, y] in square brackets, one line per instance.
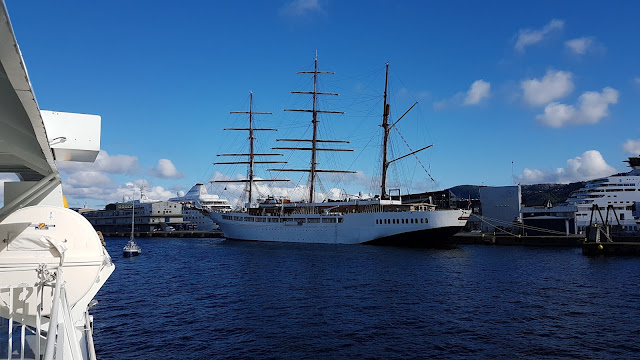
[418, 228]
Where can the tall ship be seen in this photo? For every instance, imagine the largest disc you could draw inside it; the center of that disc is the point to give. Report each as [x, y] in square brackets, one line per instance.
[383, 219]
[620, 191]
[197, 203]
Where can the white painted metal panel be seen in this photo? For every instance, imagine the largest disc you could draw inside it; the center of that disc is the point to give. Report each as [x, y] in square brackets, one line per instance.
[73, 137]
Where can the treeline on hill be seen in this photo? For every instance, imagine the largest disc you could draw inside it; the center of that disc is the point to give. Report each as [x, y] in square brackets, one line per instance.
[532, 195]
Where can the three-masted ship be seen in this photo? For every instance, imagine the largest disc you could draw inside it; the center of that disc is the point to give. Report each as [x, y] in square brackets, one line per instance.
[384, 219]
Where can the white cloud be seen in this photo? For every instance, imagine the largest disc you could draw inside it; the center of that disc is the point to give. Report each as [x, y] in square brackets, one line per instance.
[637, 80]
[554, 85]
[88, 179]
[592, 107]
[97, 190]
[478, 91]
[527, 37]
[165, 169]
[632, 147]
[590, 165]
[580, 46]
[113, 164]
[298, 8]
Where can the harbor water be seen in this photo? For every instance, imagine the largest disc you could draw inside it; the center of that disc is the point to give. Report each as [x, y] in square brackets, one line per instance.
[210, 298]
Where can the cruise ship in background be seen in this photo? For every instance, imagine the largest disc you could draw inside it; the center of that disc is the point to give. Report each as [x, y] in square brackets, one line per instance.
[197, 200]
[621, 191]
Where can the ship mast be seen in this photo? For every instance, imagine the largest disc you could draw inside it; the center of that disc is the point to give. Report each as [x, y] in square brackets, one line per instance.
[385, 141]
[313, 170]
[251, 155]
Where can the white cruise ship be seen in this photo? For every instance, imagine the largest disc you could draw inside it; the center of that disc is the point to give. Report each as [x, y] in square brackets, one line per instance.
[620, 191]
[381, 220]
[197, 200]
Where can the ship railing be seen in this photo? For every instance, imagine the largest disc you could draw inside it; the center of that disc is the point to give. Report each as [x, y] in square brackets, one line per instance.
[15, 321]
[34, 341]
[60, 335]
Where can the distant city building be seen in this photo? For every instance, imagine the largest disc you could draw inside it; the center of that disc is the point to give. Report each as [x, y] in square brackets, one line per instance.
[500, 207]
[150, 216]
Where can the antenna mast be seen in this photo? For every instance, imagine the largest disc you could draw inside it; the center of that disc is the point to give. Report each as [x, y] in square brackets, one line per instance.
[313, 170]
[251, 155]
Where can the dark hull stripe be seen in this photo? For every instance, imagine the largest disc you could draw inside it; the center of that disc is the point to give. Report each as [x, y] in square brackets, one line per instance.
[421, 238]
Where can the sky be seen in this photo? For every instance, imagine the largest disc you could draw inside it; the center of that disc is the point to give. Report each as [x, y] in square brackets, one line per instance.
[508, 91]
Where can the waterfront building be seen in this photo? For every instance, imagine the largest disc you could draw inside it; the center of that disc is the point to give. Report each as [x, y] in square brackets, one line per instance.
[500, 207]
[149, 216]
[560, 218]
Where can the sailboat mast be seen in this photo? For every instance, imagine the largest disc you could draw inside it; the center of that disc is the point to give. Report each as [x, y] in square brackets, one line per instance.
[385, 141]
[313, 170]
[133, 212]
[314, 141]
[251, 153]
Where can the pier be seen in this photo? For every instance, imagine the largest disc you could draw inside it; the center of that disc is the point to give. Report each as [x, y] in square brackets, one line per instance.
[165, 234]
[603, 240]
[523, 240]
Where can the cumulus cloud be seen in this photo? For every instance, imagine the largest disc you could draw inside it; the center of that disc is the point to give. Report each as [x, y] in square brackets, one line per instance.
[112, 164]
[588, 166]
[554, 85]
[478, 91]
[88, 179]
[97, 190]
[91, 182]
[591, 108]
[298, 8]
[527, 37]
[580, 46]
[165, 169]
[632, 147]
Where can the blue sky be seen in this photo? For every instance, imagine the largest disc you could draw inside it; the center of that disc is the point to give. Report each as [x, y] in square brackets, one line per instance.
[508, 91]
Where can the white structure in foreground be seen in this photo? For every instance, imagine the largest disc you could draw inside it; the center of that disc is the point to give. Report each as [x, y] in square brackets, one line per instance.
[52, 262]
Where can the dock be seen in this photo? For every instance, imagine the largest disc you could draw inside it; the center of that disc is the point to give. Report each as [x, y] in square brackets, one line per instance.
[522, 240]
[618, 248]
[603, 241]
[167, 234]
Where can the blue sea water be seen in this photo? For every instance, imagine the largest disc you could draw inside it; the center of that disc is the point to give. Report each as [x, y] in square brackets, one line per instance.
[216, 299]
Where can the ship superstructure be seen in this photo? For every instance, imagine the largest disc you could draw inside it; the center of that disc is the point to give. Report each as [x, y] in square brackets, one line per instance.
[197, 203]
[621, 191]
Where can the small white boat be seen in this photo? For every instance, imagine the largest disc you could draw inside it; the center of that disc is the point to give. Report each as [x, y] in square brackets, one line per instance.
[132, 249]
